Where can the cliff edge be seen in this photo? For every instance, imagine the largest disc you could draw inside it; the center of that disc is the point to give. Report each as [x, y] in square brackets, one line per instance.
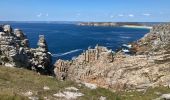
[149, 66]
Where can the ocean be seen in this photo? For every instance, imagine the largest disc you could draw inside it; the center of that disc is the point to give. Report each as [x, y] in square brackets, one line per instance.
[66, 41]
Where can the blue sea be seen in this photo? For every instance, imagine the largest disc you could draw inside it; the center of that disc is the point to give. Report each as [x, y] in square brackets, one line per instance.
[66, 41]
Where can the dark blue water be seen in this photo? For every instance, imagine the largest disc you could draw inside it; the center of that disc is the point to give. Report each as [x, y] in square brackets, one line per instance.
[68, 40]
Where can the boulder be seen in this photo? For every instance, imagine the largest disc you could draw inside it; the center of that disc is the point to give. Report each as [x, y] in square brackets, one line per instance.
[165, 96]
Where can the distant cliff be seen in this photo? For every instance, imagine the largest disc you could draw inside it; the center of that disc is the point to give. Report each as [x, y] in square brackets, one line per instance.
[109, 23]
[147, 67]
[15, 51]
[98, 24]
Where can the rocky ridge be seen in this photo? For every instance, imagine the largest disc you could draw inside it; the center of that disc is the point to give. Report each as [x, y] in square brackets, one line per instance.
[147, 67]
[15, 51]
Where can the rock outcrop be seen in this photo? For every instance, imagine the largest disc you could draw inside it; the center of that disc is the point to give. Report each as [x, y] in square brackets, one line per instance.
[41, 60]
[15, 51]
[149, 66]
[157, 40]
[70, 69]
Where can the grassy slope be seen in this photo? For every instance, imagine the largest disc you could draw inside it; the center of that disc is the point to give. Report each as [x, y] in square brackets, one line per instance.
[14, 82]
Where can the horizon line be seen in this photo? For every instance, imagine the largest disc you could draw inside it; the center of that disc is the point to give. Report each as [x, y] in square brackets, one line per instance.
[92, 21]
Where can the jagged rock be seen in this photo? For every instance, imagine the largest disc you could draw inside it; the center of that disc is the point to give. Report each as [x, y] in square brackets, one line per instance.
[88, 57]
[157, 40]
[8, 46]
[19, 34]
[41, 60]
[42, 44]
[61, 69]
[148, 67]
[15, 51]
[21, 38]
[7, 29]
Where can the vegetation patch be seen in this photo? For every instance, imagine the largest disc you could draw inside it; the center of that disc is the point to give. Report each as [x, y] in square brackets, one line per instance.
[22, 84]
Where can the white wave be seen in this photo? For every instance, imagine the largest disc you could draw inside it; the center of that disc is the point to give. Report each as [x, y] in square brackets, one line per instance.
[128, 46]
[125, 37]
[66, 53]
[125, 50]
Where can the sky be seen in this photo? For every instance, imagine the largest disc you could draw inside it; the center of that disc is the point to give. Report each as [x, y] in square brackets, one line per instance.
[85, 10]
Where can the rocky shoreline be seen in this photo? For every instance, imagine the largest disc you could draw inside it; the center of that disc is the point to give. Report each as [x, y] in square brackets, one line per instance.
[148, 66]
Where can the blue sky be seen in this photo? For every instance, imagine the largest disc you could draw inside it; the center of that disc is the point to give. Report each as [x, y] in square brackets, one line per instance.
[85, 10]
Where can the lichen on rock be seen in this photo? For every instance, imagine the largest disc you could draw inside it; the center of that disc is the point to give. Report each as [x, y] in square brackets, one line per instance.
[71, 69]
[15, 51]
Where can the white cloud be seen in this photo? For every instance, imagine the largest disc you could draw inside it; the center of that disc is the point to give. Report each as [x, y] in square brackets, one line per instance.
[42, 15]
[47, 15]
[131, 15]
[120, 15]
[146, 14]
[111, 16]
[39, 15]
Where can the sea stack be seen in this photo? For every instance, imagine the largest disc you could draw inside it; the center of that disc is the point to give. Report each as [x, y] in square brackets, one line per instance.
[42, 58]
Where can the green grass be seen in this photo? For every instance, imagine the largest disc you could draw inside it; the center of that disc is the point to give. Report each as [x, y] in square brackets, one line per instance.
[14, 82]
[150, 94]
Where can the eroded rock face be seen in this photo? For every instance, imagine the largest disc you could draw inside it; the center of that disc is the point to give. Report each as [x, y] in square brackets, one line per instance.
[41, 60]
[15, 51]
[70, 69]
[7, 29]
[157, 40]
[61, 69]
[148, 67]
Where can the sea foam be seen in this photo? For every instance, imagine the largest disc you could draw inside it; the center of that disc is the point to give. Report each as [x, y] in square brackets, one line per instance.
[66, 53]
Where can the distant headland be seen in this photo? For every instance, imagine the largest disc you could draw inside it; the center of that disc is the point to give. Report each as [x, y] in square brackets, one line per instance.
[147, 25]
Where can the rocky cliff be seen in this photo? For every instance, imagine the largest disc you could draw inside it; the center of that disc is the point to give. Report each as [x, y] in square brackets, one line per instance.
[15, 51]
[149, 66]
